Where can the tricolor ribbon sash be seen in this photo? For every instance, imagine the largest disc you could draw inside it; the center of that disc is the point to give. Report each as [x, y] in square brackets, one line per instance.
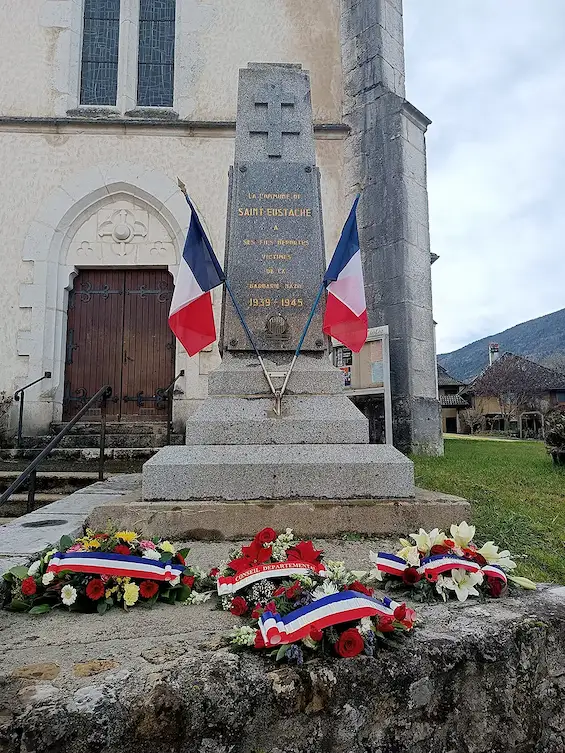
[334, 609]
[110, 564]
[230, 584]
[494, 571]
[432, 567]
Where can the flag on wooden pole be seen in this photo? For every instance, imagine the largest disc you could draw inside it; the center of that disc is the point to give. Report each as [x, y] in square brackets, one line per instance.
[191, 317]
[346, 311]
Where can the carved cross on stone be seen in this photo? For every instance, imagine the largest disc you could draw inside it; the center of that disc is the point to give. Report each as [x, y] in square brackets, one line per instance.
[276, 102]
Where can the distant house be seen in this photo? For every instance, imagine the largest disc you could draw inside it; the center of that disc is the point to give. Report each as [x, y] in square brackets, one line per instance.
[515, 391]
[452, 403]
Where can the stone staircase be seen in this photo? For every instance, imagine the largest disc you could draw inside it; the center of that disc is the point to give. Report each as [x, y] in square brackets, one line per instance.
[74, 464]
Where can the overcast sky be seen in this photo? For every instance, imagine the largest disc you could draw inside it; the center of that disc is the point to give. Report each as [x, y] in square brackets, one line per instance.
[491, 76]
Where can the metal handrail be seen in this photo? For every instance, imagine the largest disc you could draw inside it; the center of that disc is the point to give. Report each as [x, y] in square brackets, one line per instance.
[19, 396]
[168, 393]
[31, 471]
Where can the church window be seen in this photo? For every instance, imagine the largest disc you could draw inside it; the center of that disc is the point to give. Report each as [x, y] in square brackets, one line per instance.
[156, 53]
[99, 77]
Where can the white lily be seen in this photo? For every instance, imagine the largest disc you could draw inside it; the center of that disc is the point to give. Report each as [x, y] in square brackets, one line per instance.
[462, 534]
[463, 583]
[425, 541]
[411, 555]
[375, 574]
[494, 557]
[523, 582]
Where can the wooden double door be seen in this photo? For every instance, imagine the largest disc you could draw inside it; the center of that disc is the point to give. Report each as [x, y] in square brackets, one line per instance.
[118, 334]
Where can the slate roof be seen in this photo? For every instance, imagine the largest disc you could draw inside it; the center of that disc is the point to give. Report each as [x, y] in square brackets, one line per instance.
[453, 401]
[519, 371]
[446, 380]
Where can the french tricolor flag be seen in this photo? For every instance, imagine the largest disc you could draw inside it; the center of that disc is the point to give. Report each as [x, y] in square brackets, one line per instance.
[191, 317]
[346, 311]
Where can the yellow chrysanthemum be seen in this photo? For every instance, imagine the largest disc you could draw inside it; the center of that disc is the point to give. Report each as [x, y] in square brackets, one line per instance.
[131, 594]
[91, 544]
[127, 536]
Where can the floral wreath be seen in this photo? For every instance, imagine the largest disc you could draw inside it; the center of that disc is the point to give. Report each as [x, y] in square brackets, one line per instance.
[98, 571]
[300, 604]
[438, 565]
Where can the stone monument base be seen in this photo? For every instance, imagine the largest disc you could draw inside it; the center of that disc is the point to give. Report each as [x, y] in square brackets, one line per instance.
[307, 471]
[239, 449]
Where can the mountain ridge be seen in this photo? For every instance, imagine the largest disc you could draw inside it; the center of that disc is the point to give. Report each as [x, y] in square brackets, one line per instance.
[540, 339]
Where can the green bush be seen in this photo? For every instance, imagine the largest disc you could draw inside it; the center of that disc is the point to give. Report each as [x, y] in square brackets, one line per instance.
[555, 436]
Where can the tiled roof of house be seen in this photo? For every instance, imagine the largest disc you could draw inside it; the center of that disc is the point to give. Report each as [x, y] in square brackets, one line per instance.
[446, 380]
[453, 401]
[518, 373]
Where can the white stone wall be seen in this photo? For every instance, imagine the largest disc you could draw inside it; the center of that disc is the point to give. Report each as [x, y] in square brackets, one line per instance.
[41, 40]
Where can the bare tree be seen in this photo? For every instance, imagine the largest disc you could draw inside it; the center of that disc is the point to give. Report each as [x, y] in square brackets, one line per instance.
[472, 418]
[515, 383]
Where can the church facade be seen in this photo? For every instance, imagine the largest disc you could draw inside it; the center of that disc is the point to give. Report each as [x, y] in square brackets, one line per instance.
[103, 103]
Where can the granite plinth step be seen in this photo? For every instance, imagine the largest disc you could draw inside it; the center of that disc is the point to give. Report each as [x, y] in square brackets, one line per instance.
[242, 375]
[218, 521]
[308, 471]
[308, 419]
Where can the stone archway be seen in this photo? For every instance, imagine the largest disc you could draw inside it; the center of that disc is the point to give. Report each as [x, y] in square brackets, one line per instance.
[118, 215]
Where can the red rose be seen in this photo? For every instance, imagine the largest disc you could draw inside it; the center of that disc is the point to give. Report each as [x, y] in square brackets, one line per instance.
[439, 549]
[214, 572]
[101, 536]
[400, 612]
[122, 549]
[411, 576]
[257, 611]
[29, 586]
[238, 606]
[279, 592]
[293, 590]
[271, 607]
[148, 589]
[495, 587]
[408, 620]
[259, 642]
[478, 558]
[95, 589]
[386, 624]
[449, 543]
[188, 580]
[316, 634]
[360, 588]
[266, 536]
[349, 644]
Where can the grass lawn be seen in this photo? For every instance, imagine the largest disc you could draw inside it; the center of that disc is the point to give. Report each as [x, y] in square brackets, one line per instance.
[518, 498]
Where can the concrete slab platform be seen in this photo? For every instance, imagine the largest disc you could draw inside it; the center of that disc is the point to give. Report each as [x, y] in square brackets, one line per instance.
[209, 520]
[278, 472]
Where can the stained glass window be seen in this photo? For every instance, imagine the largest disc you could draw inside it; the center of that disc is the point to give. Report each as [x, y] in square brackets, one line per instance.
[156, 53]
[99, 79]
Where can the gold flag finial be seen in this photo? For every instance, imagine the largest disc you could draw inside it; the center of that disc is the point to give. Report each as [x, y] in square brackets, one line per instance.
[182, 186]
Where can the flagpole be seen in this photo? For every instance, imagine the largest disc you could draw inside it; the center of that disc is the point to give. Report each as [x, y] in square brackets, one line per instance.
[301, 342]
[250, 336]
[182, 187]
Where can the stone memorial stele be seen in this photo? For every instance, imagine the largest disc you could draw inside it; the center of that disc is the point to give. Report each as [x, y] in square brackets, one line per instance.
[237, 448]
